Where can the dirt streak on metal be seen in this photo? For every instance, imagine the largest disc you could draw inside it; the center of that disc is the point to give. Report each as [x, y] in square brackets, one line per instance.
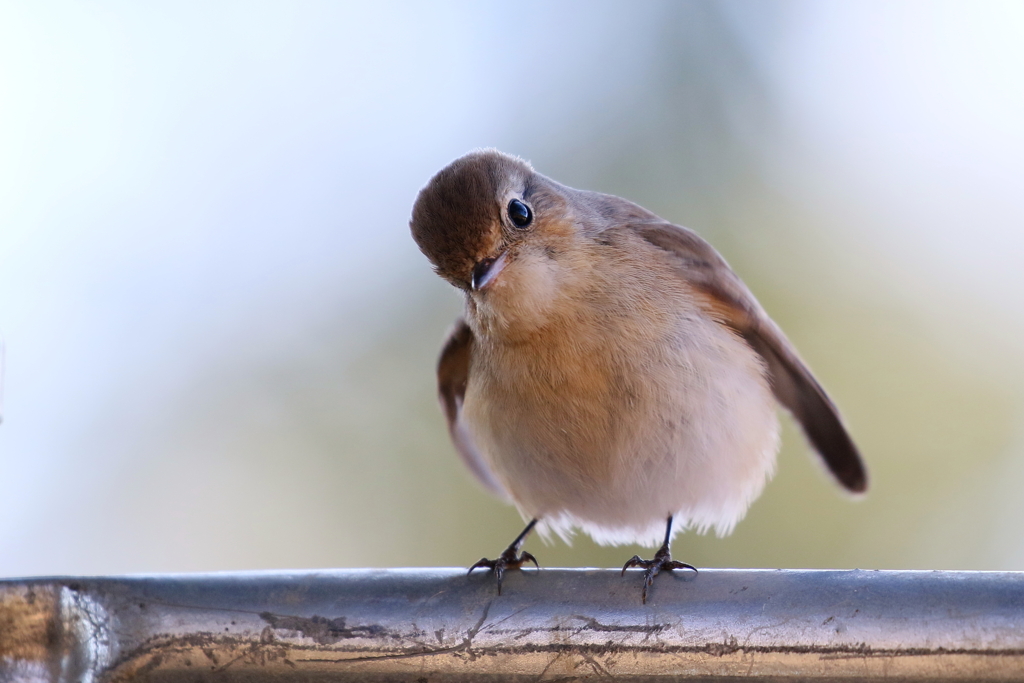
[277, 644]
[30, 628]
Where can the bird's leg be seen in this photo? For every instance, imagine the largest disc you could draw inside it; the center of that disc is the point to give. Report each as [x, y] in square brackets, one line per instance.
[510, 559]
[662, 561]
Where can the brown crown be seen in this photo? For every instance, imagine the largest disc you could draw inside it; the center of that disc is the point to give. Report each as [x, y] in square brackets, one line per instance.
[456, 220]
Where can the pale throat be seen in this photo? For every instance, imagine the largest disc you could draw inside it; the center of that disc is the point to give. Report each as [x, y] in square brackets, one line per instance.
[528, 294]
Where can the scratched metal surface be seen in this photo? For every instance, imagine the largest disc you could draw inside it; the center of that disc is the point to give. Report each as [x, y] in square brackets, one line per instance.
[556, 624]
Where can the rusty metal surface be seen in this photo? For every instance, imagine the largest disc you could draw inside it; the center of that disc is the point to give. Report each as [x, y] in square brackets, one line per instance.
[556, 624]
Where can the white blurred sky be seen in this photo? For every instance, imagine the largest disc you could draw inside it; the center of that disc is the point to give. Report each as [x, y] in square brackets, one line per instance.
[915, 112]
[185, 182]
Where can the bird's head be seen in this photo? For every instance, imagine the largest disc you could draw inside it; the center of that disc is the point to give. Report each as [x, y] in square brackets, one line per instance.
[498, 230]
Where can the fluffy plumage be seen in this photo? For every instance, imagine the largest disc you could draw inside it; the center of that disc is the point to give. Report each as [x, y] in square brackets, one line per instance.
[615, 372]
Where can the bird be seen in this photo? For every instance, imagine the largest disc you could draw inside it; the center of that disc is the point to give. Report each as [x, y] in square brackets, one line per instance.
[610, 373]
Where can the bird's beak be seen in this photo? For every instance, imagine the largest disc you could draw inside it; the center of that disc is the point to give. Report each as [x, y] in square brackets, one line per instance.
[487, 269]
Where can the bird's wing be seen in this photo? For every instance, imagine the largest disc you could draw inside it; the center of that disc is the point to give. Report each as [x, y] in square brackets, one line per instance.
[452, 378]
[728, 300]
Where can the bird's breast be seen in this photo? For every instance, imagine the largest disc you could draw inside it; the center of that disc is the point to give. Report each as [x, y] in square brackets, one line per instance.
[565, 404]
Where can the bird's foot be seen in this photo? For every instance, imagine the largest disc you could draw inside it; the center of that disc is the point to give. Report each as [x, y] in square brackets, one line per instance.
[510, 559]
[662, 562]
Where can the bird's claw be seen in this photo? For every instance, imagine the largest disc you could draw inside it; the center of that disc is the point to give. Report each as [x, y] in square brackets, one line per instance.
[507, 560]
[662, 562]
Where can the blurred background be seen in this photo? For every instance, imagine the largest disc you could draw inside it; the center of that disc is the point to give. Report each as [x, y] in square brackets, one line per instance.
[221, 338]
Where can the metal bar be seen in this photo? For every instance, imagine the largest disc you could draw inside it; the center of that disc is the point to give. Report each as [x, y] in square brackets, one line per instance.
[429, 624]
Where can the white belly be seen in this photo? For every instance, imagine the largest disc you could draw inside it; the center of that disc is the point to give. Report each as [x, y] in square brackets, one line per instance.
[614, 441]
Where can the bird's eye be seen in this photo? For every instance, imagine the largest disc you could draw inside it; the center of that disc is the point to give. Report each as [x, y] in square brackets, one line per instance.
[519, 213]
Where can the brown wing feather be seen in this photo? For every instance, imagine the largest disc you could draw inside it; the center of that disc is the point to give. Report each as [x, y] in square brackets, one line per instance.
[452, 378]
[731, 303]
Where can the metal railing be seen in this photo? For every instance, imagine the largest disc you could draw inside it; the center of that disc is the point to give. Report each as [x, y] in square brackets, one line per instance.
[439, 624]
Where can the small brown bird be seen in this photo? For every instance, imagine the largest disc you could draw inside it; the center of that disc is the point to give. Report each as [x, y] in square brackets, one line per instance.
[611, 372]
